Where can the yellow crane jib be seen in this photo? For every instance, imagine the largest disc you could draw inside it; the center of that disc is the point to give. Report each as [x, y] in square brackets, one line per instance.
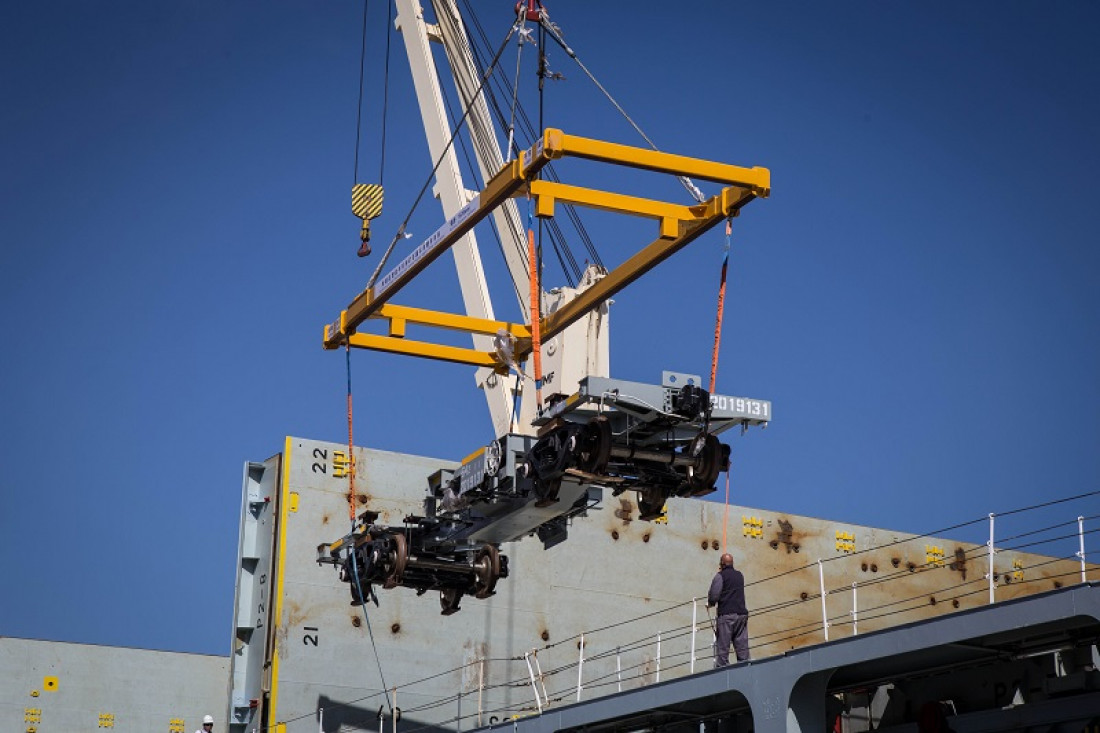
[678, 226]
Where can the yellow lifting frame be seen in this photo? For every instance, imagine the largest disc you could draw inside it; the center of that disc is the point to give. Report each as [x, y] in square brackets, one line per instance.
[399, 316]
[679, 225]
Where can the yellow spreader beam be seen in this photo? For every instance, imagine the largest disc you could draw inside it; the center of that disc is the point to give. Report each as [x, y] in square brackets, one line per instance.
[678, 226]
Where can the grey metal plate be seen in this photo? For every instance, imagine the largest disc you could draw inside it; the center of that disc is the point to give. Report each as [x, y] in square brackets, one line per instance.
[613, 568]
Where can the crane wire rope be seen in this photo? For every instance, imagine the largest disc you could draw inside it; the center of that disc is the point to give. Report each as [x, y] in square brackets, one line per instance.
[351, 517]
[477, 136]
[556, 35]
[487, 146]
[528, 128]
[359, 106]
[497, 237]
[385, 92]
[401, 229]
[522, 40]
[485, 150]
[347, 344]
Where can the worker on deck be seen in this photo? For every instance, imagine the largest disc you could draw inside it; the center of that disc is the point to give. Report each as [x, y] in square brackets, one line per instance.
[727, 591]
[207, 724]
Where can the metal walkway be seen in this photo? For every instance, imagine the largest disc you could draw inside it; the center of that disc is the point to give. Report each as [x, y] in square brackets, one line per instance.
[1011, 666]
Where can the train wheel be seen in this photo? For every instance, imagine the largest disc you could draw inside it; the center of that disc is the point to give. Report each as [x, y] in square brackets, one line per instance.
[708, 462]
[651, 502]
[486, 571]
[594, 445]
[399, 561]
[449, 598]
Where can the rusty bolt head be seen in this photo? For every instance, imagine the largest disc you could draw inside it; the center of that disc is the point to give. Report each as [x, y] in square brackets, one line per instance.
[895, 561]
[863, 567]
[874, 568]
[796, 548]
[955, 603]
[804, 595]
[545, 635]
[356, 621]
[714, 544]
[774, 544]
[395, 628]
[704, 544]
[645, 537]
[1057, 584]
[911, 566]
[614, 534]
[932, 600]
[363, 498]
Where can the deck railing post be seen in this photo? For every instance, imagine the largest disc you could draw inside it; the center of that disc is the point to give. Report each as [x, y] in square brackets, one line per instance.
[658, 656]
[1081, 540]
[824, 609]
[542, 678]
[534, 687]
[992, 585]
[855, 609]
[480, 688]
[580, 668]
[694, 615]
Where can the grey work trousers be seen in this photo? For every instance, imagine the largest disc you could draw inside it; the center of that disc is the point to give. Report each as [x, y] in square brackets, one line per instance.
[731, 627]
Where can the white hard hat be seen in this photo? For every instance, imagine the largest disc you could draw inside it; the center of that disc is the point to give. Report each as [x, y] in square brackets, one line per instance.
[207, 719]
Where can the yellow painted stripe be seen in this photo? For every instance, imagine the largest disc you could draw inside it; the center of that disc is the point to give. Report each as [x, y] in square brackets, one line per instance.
[366, 200]
[280, 570]
[473, 455]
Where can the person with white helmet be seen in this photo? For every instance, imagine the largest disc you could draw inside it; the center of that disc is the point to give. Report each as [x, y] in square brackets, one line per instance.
[207, 724]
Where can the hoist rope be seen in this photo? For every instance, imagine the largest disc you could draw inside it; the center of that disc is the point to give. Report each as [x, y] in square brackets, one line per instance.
[385, 92]
[529, 130]
[517, 234]
[401, 229]
[359, 107]
[351, 517]
[483, 145]
[370, 631]
[487, 150]
[515, 85]
[554, 33]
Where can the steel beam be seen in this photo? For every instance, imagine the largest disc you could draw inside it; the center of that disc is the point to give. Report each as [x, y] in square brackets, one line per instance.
[679, 226]
[714, 210]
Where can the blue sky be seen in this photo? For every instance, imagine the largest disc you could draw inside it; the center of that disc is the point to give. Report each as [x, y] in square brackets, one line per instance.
[918, 298]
